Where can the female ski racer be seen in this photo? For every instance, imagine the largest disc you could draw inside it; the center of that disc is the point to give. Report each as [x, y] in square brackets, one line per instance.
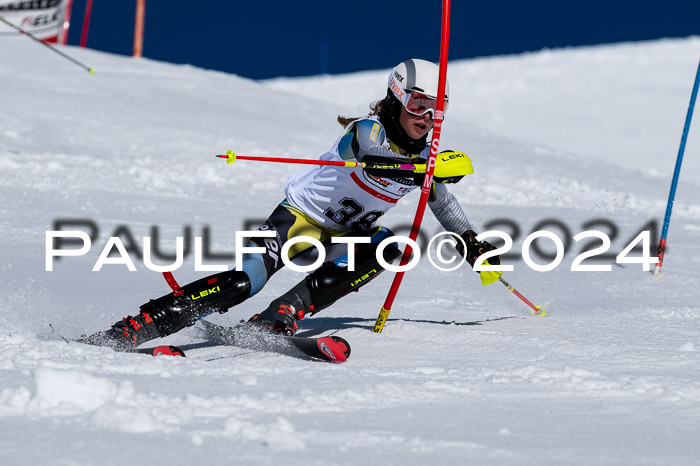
[325, 202]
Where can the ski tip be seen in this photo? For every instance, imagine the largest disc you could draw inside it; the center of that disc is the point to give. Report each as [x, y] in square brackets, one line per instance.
[336, 349]
[166, 350]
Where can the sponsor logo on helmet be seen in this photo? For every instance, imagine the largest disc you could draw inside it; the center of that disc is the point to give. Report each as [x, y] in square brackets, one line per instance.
[396, 89]
[398, 76]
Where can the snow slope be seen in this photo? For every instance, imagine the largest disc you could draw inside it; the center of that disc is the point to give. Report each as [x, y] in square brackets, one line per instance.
[459, 375]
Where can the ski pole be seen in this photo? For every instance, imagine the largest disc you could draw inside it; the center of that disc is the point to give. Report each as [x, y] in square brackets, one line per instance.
[50, 47]
[676, 173]
[231, 157]
[536, 310]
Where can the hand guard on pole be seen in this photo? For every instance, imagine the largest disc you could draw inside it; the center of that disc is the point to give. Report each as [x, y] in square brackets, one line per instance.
[476, 248]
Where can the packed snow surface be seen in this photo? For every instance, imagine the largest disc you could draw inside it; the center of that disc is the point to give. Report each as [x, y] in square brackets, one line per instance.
[561, 140]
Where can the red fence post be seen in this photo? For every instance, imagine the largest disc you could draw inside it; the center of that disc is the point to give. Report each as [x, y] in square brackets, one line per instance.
[138, 27]
[86, 23]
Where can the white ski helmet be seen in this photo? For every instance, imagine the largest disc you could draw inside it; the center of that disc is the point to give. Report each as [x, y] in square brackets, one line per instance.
[416, 76]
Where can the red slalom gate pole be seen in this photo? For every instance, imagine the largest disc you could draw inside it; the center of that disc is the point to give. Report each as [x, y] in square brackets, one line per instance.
[425, 189]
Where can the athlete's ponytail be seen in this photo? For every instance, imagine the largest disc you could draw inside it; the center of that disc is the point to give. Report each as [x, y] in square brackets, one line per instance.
[375, 107]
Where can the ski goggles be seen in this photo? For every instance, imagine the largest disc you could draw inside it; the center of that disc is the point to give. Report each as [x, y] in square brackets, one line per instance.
[420, 104]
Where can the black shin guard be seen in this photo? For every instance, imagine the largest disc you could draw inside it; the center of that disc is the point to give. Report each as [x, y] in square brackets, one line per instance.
[331, 282]
[175, 311]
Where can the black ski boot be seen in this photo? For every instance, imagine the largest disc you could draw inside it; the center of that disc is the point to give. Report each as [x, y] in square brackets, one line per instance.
[282, 313]
[173, 312]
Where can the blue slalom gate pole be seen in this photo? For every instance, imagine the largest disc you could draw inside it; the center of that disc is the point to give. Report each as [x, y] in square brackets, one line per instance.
[676, 173]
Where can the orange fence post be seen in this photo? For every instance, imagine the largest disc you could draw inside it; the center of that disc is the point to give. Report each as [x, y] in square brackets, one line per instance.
[138, 27]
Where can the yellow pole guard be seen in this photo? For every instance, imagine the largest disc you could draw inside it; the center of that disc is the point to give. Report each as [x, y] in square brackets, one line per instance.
[381, 319]
[489, 276]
